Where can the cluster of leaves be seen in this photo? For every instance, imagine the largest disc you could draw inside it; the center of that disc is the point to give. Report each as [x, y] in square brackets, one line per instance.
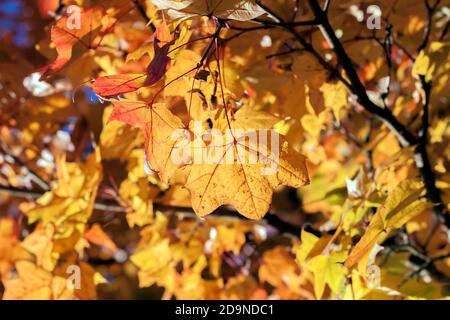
[358, 206]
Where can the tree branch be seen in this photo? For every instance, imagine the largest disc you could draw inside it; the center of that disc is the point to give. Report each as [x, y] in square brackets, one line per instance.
[405, 137]
[307, 46]
[429, 263]
[34, 176]
[423, 162]
[445, 31]
[422, 159]
[270, 219]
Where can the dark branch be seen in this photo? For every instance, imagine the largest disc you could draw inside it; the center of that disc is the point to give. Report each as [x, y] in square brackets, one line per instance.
[427, 265]
[355, 85]
[406, 138]
[422, 159]
[430, 11]
[111, 206]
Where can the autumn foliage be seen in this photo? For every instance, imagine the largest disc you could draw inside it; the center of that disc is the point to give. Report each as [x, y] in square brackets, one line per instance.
[238, 149]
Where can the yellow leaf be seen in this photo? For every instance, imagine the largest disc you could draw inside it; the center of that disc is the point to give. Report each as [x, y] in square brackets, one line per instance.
[433, 62]
[70, 204]
[40, 244]
[34, 283]
[328, 270]
[117, 139]
[335, 97]
[302, 251]
[8, 244]
[243, 172]
[158, 125]
[403, 204]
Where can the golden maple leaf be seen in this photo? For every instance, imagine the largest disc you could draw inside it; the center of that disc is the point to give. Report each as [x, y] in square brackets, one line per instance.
[34, 283]
[244, 172]
[70, 204]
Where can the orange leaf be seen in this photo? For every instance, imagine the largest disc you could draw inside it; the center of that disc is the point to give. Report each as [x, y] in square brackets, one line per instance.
[47, 7]
[132, 113]
[97, 236]
[67, 32]
[158, 125]
[118, 84]
[163, 34]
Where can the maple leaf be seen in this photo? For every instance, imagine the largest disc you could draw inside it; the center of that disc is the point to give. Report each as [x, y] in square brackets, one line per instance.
[34, 283]
[70, 204]
[310, 247]
[158, 125]
[97, 236]
[154, 257]
[157, 67]
[402, 205]
[245, 70]
[209, 184]
[335, 97]
[432, 63]
[163, 34]
[118, 139]
[241, 10]
[40, 243]
[328, 270]
[155, 263]
[139, 195]
[280, 270]
[8, 244]
[115, 85]
[234, 180]
[66, 33]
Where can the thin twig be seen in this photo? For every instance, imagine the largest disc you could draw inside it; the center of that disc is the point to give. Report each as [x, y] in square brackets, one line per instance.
[423, 267]
[426, 37]
[34, 176]
[405, 137]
